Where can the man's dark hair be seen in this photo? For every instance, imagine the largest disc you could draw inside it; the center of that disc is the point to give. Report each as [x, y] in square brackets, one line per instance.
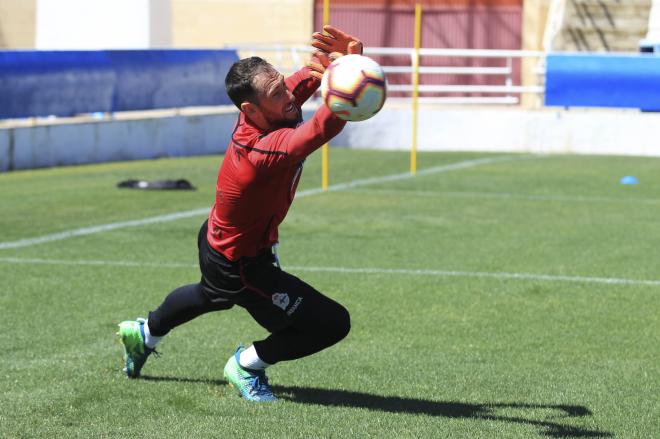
[238, 81]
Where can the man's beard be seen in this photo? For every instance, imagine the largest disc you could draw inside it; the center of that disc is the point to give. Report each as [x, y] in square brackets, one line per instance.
[286, 123]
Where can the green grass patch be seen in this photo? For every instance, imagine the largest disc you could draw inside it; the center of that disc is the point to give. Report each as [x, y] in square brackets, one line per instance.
[459, 348]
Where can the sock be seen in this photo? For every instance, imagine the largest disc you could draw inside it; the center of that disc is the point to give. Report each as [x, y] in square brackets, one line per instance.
[150, 340]
[250, 360]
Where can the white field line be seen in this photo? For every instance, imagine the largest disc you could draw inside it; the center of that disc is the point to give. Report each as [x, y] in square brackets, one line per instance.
[507, 195]
[408, 175]
[28, 242]
[344, 270]
[98, 263]
[481, 274]
[101, 228]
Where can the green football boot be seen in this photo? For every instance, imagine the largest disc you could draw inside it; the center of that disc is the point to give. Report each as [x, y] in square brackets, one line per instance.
[252, 385]
[136, 352]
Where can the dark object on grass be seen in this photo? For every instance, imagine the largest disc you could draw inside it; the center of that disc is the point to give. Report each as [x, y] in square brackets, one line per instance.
[181, 185]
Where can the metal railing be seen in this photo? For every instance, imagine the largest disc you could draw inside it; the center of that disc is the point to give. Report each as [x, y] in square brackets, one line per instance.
[289, 59]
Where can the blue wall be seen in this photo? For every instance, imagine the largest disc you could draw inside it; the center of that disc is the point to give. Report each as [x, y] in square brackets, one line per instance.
[66, 83]
[602, 80]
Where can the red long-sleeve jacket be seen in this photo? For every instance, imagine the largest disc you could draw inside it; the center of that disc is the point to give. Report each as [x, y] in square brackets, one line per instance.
[260, 173]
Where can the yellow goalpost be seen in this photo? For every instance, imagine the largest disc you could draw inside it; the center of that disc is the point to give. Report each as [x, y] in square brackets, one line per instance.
[325, 148]
[415, 95]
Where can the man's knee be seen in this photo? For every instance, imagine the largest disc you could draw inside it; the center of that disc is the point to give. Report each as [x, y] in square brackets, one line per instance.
[339, 325]
[345, 322]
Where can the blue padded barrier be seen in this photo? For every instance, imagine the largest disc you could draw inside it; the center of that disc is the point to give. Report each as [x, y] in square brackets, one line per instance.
[603, 80]
[66, 83]
[170, 79]
[59, 83]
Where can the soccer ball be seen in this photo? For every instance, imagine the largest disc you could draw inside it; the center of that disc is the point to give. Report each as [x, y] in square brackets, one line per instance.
[354, 87]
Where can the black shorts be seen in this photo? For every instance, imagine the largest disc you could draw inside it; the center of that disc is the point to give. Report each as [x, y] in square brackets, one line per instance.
[274, 298]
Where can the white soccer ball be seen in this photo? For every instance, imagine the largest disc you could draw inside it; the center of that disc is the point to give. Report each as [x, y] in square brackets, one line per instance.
[354, 87]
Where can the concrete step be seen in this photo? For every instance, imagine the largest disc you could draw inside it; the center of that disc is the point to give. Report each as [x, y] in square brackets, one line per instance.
[634, 24]
[598, 11]
[604, 25]
[609, 33]
[613, 3]
[592, 42]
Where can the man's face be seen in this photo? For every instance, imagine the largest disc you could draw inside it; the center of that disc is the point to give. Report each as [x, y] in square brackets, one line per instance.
[275, 102]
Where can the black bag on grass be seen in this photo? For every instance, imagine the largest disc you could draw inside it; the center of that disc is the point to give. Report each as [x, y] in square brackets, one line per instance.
[182, 185]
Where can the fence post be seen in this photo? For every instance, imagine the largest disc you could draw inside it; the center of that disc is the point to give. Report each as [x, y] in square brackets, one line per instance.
[415, 95]
[324, 148]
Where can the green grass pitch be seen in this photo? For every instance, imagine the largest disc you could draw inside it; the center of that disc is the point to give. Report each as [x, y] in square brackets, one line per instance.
[509, 299]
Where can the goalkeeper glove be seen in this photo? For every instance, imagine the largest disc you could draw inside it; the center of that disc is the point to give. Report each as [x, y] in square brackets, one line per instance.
[316, 69]
[335, 40]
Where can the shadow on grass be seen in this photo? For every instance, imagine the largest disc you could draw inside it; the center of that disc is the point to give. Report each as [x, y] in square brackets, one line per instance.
[447, 409]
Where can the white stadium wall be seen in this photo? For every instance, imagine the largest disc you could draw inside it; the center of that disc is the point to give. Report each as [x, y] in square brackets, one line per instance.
[588, 131]
[5, 153]
[118, 140]
[487, 129]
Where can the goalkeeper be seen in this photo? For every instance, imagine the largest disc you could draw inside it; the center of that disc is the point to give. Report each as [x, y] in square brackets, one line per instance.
[256, 185]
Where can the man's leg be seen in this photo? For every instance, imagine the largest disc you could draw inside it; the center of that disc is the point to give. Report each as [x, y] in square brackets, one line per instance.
[180, 306]
[217, 286]
[301, 321]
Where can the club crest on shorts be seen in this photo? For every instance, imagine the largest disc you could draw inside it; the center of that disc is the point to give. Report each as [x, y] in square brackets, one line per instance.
[281, 300]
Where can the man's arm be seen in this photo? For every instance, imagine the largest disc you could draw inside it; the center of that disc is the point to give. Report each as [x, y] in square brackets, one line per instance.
[292, 145]
[289, 145]
[302, 84]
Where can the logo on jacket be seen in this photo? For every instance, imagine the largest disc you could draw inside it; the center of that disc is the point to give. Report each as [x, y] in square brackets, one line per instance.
[281, 300]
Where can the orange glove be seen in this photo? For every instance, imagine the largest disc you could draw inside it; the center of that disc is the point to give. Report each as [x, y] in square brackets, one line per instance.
[324, 60]
[335, 40]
